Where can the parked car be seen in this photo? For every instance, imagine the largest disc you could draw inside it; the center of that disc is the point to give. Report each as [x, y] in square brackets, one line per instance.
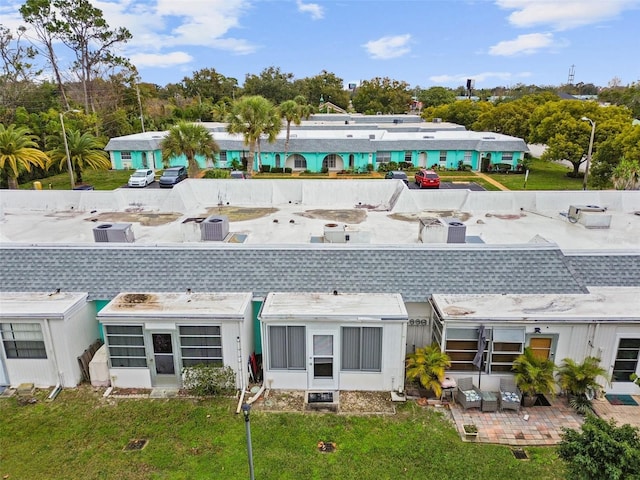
[427, 179]
[172, 176]
[397, 175]
[142, 178]
[237, 174]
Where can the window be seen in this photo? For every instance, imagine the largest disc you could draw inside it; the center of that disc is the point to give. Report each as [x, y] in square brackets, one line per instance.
[287, 347]
[362, 348]
[23, 340]
[383, 157]
[443, 158]
[507, 157]
[299, 162]
[277, 160]
[467, 158]
[126, 346]
[201, 345]
[407, 157]
[626, 359]
[223, 157]
[461, 346]
[125, 156]
[507, 344]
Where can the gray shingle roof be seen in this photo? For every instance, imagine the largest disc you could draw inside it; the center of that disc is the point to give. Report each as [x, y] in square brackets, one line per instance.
[609, 270]
[416, 272]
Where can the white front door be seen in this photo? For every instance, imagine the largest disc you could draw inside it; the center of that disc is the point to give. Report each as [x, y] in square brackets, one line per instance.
[323, 362]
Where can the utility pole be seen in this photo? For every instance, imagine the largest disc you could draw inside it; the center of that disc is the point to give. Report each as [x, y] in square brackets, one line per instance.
[140, 107]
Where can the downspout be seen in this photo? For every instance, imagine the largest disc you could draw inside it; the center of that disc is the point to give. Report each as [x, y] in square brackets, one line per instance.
[56, 390]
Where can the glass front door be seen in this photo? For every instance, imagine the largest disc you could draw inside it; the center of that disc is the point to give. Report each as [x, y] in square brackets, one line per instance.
[163, 359]
[322, 371]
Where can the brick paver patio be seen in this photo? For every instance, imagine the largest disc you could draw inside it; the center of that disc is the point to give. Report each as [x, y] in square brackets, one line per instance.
[531, 426]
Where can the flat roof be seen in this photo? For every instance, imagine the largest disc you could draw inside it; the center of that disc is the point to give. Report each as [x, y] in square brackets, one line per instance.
[600, 304]
[297, 212]
[177, 305]
[39, 304]
[338, 306]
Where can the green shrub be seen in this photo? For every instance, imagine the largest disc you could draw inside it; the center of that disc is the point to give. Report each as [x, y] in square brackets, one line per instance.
[276, 170]
[216, 173]
[202, 380]
[288, 170]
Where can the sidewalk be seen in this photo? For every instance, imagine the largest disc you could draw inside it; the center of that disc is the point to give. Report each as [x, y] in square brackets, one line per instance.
[488, 178]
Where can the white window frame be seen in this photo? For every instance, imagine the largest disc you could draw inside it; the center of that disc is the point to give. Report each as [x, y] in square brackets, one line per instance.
[287, 352]
[200, 345]
[129, 353]
[23, 340]
[364, 353]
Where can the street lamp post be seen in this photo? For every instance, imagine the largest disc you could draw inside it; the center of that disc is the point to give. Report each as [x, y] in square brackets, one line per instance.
[66, 147]
[246, 408]
[586, 168]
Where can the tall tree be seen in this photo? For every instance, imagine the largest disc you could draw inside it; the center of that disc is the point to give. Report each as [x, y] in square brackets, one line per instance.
[252, 117]
[209, 84]
[435, 96]
[85, 151]
[382, 95]
[271, 84]
[41, 15]
[18, 152]
[189, 139]
[83, 29]
[611, 153]
[326, 86]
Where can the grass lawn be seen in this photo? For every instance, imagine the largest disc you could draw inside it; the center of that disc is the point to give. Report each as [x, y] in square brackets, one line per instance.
[82, 435]
[543, 175]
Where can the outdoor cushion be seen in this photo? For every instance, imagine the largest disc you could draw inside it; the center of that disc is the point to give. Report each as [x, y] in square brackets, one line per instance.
[471, 395]
[510, 397]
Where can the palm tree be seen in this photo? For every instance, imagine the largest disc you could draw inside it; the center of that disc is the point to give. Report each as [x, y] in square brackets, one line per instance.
[291, 112]
[427, 365]
[18, 152]
[579, 379]
[189, 139]
[534, 375]
[253, 117]
[85, 151]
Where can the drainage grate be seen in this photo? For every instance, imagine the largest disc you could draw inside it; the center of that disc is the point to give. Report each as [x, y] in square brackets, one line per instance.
[520, 454]
[320, 397]
[136, 444]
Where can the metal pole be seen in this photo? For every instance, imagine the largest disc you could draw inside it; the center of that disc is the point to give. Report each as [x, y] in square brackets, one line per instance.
[66, 149]
[586, 168]
[246, 408]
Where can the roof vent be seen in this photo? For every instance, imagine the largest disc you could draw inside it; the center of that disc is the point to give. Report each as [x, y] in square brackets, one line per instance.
[113, 233]
[488, 138]
[437, 120]
[214, 228]
[591, 216]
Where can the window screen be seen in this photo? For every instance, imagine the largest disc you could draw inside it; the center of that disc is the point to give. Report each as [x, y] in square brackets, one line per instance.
[23, 340]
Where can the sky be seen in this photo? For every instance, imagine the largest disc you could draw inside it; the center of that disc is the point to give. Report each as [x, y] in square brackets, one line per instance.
[422, 42]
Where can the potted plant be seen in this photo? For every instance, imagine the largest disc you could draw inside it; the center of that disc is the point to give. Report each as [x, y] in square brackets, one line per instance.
[578, 381]
[533, 375]
[426, 367]
[470, 431]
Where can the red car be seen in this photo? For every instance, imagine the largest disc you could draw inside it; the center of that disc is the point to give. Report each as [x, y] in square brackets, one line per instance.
[427, 179]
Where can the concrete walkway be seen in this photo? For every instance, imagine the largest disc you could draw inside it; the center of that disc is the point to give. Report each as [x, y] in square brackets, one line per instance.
[493, 182]
[540, 426]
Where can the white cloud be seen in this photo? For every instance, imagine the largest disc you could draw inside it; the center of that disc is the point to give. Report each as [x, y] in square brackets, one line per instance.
[461, 78]
[316, 11]
[563, 15]
[523, 44]
[160, 60]
[388, 47]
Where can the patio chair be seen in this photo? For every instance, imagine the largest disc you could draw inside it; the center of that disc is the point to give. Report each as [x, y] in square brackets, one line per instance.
[510, 395]
[468, 395]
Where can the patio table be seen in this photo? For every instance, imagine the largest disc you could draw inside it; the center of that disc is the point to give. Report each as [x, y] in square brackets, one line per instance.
[489, 401]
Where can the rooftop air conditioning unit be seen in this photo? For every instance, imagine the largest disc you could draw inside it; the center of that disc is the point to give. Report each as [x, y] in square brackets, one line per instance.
[113, 233]
[432, 230]
[437, 120]
[215, 228]
[456, 232]
[591, 216]
[334, 232]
